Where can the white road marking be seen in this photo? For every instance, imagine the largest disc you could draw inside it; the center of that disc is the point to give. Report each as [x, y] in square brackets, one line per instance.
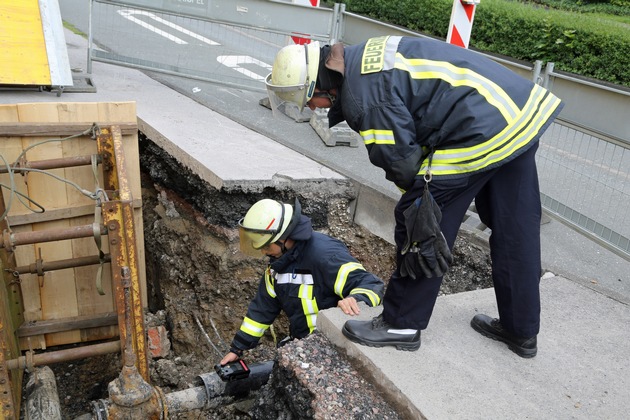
[234, 61]
[231, 61]
[128, 14]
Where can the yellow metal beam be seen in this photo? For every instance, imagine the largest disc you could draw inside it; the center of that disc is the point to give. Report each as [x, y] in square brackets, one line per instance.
[119, 221]
[23, 56]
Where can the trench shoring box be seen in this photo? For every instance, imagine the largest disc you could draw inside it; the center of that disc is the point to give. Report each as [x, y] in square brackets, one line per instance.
[57, 299]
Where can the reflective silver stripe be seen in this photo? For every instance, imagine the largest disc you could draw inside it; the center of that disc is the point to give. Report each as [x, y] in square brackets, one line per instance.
[419, 68]
[374, 136]
[374, 298]
[286, 278]
[342, 276]
[391, 47]
[253, 328]
[306, 291]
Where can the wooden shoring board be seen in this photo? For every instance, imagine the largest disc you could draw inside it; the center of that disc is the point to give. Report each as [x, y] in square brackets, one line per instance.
[86, 277]
[56, 289]
[75, 293]
[11, 149]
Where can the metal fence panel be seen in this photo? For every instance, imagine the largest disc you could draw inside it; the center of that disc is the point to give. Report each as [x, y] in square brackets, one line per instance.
[271, 15]
[585, 182]
[207, 29]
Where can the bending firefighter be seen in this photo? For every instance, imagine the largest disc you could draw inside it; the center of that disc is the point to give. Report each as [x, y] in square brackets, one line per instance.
[308, 271]
[448, 126]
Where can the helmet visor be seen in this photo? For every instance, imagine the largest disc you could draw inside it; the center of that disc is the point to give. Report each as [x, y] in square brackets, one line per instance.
[250, 241]
[253, 240]
[280, 95]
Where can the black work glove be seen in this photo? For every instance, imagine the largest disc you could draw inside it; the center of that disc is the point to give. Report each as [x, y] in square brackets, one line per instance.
[425, 252]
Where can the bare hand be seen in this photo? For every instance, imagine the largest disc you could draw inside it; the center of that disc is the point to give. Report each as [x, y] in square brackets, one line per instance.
[349, 306]
[228, 358]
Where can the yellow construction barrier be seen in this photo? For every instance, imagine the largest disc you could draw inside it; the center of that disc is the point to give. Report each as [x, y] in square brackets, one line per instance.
[32, 46]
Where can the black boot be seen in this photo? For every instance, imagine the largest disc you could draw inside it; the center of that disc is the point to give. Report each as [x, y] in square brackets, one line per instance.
[378, 333]
[492, 328]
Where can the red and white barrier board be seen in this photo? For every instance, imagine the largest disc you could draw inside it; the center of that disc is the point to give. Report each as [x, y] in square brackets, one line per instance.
[314, 3]
[461, 23]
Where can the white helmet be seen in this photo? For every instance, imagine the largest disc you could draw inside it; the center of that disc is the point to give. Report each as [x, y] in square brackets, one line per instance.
[266, 222]
[293, 75]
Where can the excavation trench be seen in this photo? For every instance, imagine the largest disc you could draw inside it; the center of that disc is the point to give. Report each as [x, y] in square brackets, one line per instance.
[199, 286]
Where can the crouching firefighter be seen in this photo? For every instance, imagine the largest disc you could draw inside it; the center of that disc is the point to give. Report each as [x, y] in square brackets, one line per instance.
[308, 271]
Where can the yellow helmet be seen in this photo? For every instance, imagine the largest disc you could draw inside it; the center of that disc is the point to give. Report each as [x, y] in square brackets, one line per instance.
[293, 75]
[266, 222]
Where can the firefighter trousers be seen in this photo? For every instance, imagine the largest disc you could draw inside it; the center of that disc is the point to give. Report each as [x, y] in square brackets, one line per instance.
[507, 200]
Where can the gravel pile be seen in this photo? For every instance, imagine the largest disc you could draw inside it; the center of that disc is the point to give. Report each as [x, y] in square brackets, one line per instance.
[311, 380]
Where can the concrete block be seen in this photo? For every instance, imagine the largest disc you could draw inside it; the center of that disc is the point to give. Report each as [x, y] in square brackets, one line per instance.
[339, 135]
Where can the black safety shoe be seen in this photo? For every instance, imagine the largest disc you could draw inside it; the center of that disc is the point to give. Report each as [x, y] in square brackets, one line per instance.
[492, 328]
[378, 333]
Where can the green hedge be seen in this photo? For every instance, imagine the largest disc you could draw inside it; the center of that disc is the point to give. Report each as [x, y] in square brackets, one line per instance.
[583, 44]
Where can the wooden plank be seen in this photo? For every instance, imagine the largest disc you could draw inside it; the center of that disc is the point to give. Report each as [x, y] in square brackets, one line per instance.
[8, 113]
[86, 283]
[87, 277]
[57, 293]
[12, 147]
[67, 213]
[66, 324]
[63, 129]
[85, 176]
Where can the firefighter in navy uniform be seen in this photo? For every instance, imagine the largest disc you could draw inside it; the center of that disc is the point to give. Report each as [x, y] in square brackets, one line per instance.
[448, 126]
[308, 272]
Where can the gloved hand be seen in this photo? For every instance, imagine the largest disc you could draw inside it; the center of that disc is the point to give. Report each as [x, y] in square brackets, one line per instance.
[425, 252]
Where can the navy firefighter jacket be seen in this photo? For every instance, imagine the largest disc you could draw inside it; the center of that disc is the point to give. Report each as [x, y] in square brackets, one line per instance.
[409, 96]
[313, 275]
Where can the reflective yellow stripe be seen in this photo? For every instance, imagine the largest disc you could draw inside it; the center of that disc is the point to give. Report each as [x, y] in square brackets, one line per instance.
[269, 283]
[539, 107]
[253, 328]
[374, 298]
[507, 134]
[373, 136]
[419, 68]
[342, 276]
[306, 291]
[309, 306]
